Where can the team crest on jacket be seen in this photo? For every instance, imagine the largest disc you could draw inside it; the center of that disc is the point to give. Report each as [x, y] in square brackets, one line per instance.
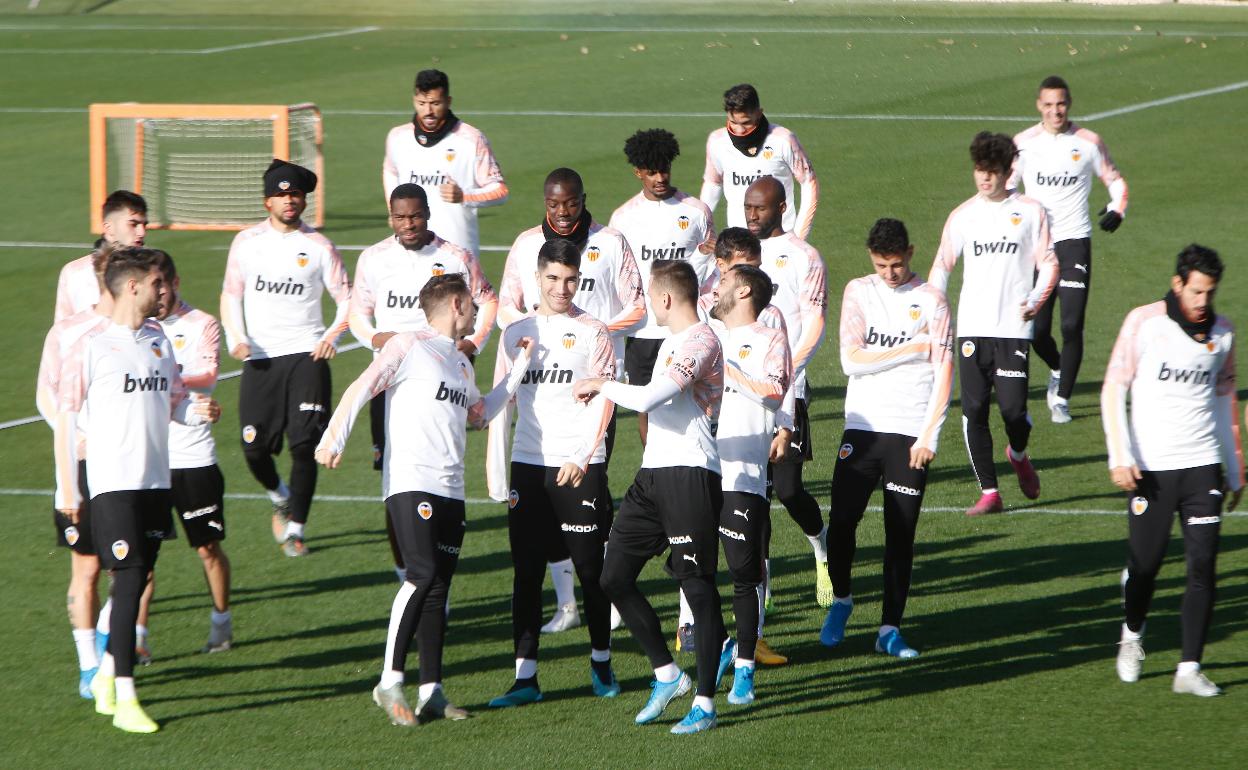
[425, 510]
[593, 254]
[71, 535]
[249, 434]
[1138, 505]
[682, 222]
[156, 349]
[121, 549]
[668, 362]
[1211, 346]
[915, 312]
[845, 451]
[743, 352]
[1075, 155]
[1016, 218]
[179, 341]
[450, 155]
[782, 260]
[569, 339]
[301, 259]
[438, 269]
[968, 349]
[768, 153]
[513, 498]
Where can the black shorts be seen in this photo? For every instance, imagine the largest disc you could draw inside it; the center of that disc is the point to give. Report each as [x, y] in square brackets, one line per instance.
[429, 531]
[198, 497]
[128, 527]
[564, 514]
[639, 357]
[803, 452]
[76, 537]
[674, 507]
[867, 461]
[288, 394]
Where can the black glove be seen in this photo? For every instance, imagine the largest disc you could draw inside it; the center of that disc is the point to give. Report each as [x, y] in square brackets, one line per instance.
[1110, 220]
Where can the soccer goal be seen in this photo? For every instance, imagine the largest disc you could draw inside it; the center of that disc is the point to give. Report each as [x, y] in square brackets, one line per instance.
[200, 166]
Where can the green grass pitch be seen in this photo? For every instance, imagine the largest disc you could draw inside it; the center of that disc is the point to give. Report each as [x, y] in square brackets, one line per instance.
[1016, 615]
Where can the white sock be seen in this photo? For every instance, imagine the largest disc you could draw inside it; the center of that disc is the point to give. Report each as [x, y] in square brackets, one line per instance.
[140, 632]
[1132, 636]
[107, 667]
[84, 642]
[103, 622]
[686, 612]
[819, 544]
[766, 579]
[390, 677]
[668, 673]
[402, 574]
[742, 663]
[849, 600]
[1187, 667]
[561, 575]
[526, 668]
[428, 689]
[886, 629]
[1059, 400]
[125, 688]
[705, 703]
[1015, 456]
[294, 529]
[992, 491]
[599, 656]
[279, 495]
[221, 618]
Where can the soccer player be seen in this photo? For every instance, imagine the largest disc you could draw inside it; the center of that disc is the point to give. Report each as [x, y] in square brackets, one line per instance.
[1009, 270]
[660, 222]
[801, 294]
[197, 488]
[1177, 451]
[895, 349]
[385, 297]
[74, 532]
[736, 246]
[757, 373]
[271, 310]
[676, 497]
[127, 379]
[430, 392]
[749, 148]
[1056, 162]
[558, 467]
[124, 216]
[438, 151]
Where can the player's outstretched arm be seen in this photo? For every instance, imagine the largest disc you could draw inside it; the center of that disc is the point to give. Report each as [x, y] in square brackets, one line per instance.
[941, 358]
[488, 406]
[380, 374]
[1123, 468]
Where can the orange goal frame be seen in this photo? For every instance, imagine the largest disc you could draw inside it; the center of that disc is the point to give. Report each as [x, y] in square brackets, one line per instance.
[278, 114]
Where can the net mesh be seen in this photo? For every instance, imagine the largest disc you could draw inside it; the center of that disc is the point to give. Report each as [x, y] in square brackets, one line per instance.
[205, 171]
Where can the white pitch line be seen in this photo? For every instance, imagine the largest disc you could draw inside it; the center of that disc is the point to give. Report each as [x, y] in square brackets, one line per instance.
[488, 501]
[1167, 100]
[224, 376]
[287, 40]
[752, 31]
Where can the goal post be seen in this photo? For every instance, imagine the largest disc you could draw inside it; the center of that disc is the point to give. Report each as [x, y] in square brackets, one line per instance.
[201, 166]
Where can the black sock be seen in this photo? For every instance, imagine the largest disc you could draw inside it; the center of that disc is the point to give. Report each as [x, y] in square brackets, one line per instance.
[523, 683]
[603, 669]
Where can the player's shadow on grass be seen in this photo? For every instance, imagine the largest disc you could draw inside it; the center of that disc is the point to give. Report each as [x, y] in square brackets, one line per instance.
[979, 644]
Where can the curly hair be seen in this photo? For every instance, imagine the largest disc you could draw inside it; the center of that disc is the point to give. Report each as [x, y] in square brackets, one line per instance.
[653, 150]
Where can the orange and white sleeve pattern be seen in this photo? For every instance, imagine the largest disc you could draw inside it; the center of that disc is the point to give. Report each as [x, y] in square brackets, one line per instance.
[766, 391]
[856, 359]
[712, 176]
[1227, 422]
[491, 189]
[201, 372]
[48, 379]
[363, 302]
[597, 414]
[813, 300]
[1118, 378]
[379, 375]
[511, 293]
[232, 291]
[804, 174]
[338, 284]
[1045, 259]
[946, 255]
[482, 411]
[71, 394]
[940, 355]
[483, 294]
[628, 289]
[1108, 173]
